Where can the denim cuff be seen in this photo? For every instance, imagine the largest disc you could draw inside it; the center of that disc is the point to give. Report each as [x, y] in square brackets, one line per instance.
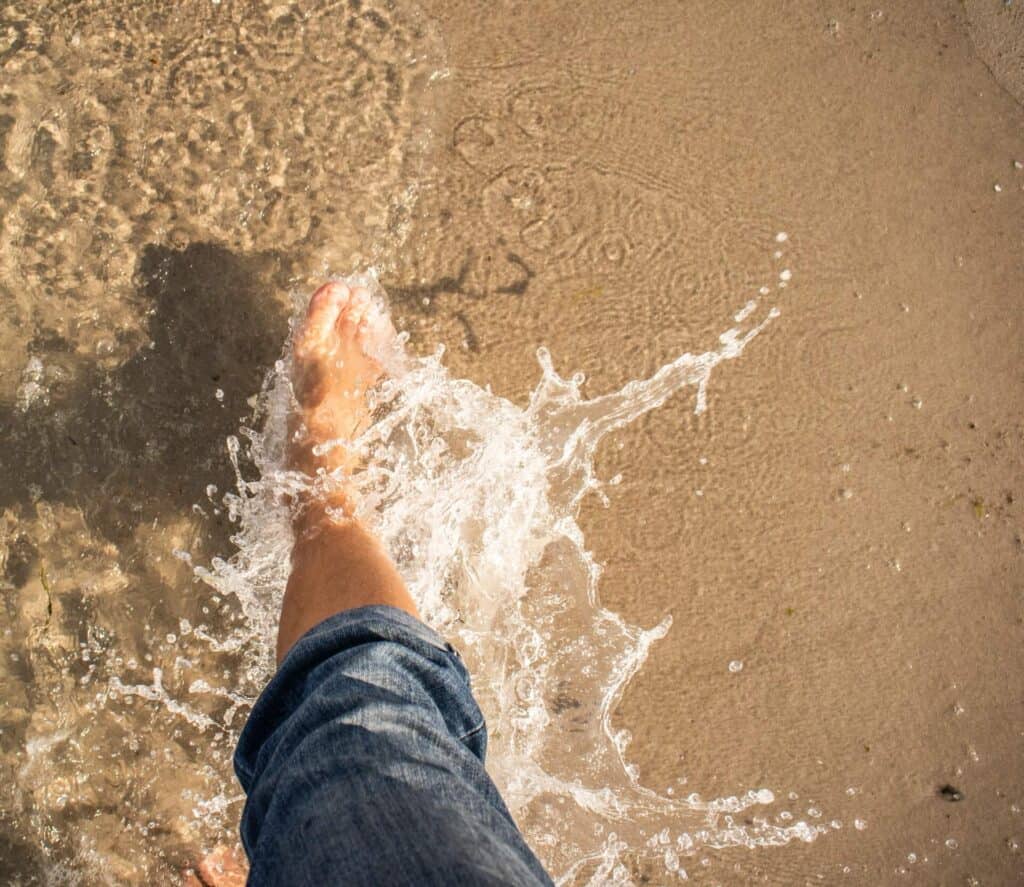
[313, 658]
[389, 623]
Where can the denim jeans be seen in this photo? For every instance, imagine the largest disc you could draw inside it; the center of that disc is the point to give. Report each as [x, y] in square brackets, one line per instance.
[363, 763]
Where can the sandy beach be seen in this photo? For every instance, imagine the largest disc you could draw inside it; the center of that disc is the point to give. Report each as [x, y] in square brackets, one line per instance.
[838, 539]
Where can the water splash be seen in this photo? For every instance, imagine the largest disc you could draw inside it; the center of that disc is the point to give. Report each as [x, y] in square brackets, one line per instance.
[477, 501]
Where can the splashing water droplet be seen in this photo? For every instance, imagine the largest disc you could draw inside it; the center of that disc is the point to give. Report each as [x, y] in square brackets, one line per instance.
[477, 499]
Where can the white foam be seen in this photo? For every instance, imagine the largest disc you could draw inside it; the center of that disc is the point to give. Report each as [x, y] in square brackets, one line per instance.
[156, 692]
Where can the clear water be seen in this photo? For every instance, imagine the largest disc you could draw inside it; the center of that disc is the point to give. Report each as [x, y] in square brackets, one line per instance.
[153, 221]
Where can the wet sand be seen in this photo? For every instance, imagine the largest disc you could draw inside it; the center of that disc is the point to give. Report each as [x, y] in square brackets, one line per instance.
[608, 181]
[854, 536]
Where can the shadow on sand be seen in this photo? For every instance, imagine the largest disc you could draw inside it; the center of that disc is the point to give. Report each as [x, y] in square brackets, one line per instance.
[148, 437]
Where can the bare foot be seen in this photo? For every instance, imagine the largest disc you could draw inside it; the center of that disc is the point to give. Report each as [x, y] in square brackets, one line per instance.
[337, 564]
[333, 366]
[223, 867]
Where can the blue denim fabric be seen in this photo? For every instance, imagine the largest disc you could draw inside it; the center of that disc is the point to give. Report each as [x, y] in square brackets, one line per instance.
[363, 762]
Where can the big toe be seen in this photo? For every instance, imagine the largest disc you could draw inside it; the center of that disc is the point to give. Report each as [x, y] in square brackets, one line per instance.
[325, 307]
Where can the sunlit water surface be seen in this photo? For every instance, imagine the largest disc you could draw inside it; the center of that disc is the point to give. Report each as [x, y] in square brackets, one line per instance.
[167, 173]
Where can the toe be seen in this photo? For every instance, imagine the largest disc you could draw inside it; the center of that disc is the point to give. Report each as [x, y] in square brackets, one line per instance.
[324, 308]
[356, 310]
[376, 332]
[224, 867]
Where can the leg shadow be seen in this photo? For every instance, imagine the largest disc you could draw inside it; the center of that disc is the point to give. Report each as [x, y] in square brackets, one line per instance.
[148, 437]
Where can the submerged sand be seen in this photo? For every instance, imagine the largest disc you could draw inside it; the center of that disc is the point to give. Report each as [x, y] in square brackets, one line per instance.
[609, 181]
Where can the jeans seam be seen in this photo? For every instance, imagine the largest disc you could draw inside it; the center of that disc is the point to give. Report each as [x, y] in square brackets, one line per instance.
[473, 732]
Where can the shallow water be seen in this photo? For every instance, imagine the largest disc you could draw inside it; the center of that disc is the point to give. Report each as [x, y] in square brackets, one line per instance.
[836, 538]
[168, 175]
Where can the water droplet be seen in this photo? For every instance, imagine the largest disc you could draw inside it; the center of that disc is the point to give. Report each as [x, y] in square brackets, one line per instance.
[511, 495]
